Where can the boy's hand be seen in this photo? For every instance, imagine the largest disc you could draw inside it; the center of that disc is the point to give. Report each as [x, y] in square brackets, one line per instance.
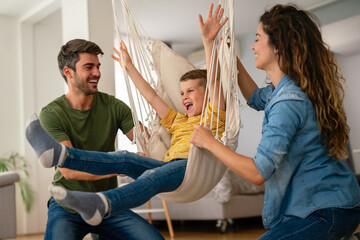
[213, 23]
[126, 56]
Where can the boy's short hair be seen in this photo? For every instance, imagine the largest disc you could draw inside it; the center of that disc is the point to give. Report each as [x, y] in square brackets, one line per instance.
[195, 74]
[69, 53]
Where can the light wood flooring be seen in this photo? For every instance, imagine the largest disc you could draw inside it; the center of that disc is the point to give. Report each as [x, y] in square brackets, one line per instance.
[242, 229]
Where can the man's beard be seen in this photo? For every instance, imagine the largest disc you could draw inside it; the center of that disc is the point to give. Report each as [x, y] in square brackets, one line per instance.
[82, 85]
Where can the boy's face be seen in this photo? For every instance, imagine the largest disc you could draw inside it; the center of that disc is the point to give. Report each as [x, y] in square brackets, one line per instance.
[192, 96]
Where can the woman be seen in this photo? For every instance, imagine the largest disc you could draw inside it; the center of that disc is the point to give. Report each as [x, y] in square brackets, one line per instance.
[309, 192]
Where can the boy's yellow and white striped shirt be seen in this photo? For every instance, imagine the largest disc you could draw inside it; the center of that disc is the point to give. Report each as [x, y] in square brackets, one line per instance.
[181, 127]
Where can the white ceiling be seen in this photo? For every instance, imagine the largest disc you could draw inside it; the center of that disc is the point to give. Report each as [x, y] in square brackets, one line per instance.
[178, 17]
[18, 8]
[175, 21]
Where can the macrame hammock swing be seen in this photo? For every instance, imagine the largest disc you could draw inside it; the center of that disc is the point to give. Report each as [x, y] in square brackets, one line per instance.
[203, 170]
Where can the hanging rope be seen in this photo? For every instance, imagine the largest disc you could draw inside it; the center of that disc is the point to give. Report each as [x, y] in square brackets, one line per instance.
[203, 171]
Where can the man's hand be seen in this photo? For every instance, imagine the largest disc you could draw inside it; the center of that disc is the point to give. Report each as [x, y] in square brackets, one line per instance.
[142, 154]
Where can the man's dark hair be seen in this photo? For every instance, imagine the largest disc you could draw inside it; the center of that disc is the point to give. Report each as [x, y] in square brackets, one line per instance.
[69, 53]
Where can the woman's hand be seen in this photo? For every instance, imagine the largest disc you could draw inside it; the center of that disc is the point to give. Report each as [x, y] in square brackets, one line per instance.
[213, 23]
[126, 56]
[202, 136]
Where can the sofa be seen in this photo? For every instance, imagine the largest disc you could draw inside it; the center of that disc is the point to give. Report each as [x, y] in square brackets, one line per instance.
[7, 204]
[232, 198]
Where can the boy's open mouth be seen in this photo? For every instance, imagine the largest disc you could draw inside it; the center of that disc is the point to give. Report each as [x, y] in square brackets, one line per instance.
[188, 106]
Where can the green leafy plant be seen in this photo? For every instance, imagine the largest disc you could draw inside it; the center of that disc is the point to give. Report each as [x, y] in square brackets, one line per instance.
[15, 162]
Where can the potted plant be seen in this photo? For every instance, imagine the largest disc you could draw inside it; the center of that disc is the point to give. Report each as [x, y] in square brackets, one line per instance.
[15, 162]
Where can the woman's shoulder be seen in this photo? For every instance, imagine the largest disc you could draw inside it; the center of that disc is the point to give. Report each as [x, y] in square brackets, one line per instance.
[291, 91]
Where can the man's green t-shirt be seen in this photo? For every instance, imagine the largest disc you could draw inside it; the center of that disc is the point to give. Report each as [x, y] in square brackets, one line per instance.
[94, 129]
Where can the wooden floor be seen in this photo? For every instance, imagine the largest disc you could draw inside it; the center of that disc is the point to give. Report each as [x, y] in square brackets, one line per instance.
[244, 229]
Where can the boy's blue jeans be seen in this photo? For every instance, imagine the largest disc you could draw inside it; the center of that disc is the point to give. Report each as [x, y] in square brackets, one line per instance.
[151, 176]
[63, 225]
[323, 224]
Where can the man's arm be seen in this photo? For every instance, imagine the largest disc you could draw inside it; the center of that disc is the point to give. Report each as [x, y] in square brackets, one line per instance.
[77, 175]
[209, 29]
[140, 83]
[130, 134]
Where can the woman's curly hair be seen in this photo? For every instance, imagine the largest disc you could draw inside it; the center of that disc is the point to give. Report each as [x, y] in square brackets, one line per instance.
[305, 58]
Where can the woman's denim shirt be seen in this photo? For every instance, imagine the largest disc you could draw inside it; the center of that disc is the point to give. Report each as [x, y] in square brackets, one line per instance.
[300, 177]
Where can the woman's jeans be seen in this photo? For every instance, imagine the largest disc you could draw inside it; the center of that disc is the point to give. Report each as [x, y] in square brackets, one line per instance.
[151, 176]
[323, 224]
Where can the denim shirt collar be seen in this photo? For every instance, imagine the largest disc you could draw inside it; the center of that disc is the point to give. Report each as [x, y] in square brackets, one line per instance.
[283, 81]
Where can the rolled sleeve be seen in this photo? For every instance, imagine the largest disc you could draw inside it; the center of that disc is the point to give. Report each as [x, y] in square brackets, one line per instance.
[265, 166]
[259, 97]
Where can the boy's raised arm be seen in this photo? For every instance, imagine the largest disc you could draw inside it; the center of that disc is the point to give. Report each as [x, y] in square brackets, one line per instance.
[140, 83]
[209, 29]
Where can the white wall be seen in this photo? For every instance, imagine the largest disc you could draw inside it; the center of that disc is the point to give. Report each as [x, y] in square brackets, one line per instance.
[42, 82]
[41, 36]
[350, 68]
[48, 85]
[30, 79]
[9, 97]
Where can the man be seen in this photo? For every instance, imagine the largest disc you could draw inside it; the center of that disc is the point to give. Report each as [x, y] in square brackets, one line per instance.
[88, 119]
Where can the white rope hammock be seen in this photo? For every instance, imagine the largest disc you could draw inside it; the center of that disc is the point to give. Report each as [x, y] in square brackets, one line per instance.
[203, 170]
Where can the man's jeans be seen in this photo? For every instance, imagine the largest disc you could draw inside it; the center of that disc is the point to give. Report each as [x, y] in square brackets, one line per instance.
[151, 176]
[323, 224]
[63, 225]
